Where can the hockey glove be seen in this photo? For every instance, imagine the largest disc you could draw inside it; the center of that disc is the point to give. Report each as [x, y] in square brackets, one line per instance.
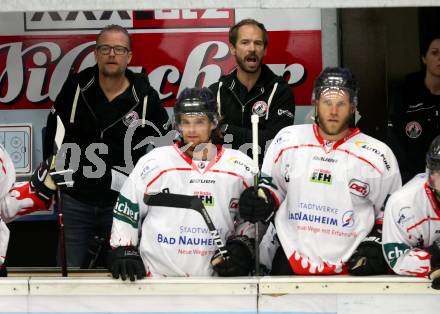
[45, 179]
[241, 256]
[434, 249]
[256, 205]
[368, 259]
[125, 261]
[21, 200]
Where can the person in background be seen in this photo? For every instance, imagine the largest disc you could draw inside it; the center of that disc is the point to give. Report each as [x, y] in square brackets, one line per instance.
[252, 88]
[415, 115]
[99, 107]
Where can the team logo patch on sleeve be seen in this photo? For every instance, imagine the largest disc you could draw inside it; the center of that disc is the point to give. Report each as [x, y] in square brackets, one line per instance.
[126, 211]
[413, 129]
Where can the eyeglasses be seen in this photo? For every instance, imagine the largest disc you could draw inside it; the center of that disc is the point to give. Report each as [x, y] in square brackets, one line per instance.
[118, 50]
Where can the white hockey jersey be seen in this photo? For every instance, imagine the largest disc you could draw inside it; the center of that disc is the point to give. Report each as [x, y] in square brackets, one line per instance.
[411, 224]
[7, 179]
[329, 194]
[173, 241]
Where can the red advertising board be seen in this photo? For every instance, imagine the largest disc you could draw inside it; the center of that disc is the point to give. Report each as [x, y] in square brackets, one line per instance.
[33, 67]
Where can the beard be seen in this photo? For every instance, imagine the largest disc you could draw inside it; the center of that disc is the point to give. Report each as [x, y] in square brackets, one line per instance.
[112, 71]
[241, 62]
[334, 130]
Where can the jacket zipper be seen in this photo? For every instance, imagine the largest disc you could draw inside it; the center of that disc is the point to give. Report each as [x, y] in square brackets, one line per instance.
[243, 106]
[101, 134]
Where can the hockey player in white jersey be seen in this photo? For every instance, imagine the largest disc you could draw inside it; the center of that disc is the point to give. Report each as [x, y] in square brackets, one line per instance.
[326, 184]
[168, 241]
[411, 231]
[19, 199]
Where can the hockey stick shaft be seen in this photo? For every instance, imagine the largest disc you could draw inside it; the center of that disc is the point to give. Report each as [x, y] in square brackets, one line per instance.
[188, 202]
[254, 120]
[58, 141]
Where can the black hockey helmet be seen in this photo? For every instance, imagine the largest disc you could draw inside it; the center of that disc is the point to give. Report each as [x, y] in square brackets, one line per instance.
[338, 78]
[196, 101]
[433, 164]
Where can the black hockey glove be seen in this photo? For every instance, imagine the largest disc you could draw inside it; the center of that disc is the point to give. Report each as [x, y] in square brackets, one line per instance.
[256, 205]
[434, 249]
[45, 179]
[241, 256]
[368, 259]
[125, 261]
[3, 271]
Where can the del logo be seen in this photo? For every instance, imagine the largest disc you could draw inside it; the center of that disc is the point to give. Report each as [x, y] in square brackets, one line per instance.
[348, 219]
[321, 176]
[126, 211]
[359, 188]
[233, 204]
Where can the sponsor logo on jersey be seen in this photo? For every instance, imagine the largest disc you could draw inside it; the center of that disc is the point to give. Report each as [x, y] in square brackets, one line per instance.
[325, 159]
[359, 188]
[147, 169]
[260, 108]
[413, 129]
[236, 161]
[282, 137]
[321, 176]
[348, 219]
[205, 181]
[126, 211]
[202, 165]
[395, 250]
[233, 204]
[206, 197]
[318, 207]
[364, 145]
[130, 118]
[404, 216]
[300, 216]
[437, 231]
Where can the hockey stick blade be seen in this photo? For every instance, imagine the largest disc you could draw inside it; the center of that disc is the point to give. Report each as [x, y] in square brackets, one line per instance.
[188, 202]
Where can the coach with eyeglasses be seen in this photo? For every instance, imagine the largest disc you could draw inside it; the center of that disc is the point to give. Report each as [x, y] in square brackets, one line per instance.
[98, 107]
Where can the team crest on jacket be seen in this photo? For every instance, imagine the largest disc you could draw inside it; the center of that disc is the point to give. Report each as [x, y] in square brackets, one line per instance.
[130, 117]
[413, 129]
[260, 108]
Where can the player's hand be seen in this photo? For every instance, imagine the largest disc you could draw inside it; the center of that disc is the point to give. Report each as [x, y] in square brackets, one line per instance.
[46, 179]
[241, 256]
[434, 249]
[21, 200]
[125, 261]
[368, 259]
[256, 205]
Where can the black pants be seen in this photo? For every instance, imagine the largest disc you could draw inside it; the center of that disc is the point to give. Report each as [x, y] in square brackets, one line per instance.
[280, 264]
